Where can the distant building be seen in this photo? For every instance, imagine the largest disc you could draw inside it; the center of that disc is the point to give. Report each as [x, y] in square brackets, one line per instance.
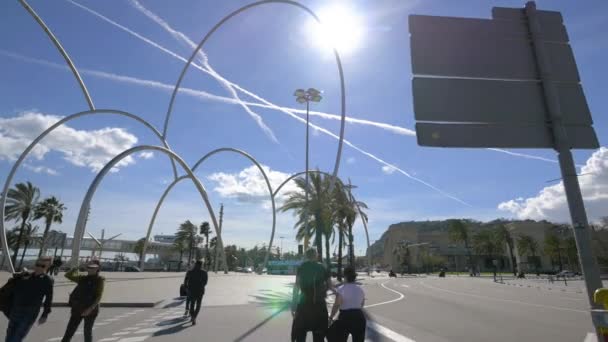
[417, 246]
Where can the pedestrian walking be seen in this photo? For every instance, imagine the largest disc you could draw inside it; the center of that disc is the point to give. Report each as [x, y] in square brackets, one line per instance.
[55, 266]
[350, 300]
[196, 280]
[84, 300]
[28, 290]
[309, 308]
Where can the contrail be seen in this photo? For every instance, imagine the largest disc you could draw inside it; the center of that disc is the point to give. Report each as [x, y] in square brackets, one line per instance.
[268, 104]
[205, 96]
[163, 86]
[257, 118]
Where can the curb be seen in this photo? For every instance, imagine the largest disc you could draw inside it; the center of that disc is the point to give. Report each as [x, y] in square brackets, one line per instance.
[115, 305]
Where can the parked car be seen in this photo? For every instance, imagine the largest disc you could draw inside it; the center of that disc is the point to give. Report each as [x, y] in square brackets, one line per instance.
[566, 274]
[131, 269]
[248, 270]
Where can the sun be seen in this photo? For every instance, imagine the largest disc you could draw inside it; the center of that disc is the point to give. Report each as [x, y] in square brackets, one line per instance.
[341, 28]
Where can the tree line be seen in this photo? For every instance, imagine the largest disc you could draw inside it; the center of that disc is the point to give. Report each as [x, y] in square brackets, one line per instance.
[24, 207]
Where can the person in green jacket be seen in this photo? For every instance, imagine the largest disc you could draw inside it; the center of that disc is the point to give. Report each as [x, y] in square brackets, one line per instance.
[84, 300]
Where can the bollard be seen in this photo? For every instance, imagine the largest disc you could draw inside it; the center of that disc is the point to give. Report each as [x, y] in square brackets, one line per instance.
[601, 297]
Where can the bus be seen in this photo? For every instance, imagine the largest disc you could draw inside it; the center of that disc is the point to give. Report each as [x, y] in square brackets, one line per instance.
[283, 267]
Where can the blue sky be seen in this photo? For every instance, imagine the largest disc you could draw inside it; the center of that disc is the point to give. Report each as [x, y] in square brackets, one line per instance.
[269, 51]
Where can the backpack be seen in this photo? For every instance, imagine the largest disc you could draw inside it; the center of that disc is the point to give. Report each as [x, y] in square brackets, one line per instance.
[6, 296]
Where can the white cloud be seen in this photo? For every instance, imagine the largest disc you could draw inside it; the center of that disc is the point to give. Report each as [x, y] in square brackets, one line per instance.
[146, 155]
[249, 185]
[41, 169]
[84, 148]
[551, 204]
[388, 170]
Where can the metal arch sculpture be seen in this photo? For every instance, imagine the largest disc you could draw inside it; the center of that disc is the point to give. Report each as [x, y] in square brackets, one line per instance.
[35, 142]
[62, 51]
[336, 54]
[199, 163]
[82, 216]
[295, 175]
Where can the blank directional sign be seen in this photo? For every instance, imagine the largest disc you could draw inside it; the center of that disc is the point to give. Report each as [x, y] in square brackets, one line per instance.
[493, 135]
[483, 48]
[467, 100]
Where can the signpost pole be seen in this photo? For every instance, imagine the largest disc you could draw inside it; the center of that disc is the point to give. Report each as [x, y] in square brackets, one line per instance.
[571, 186]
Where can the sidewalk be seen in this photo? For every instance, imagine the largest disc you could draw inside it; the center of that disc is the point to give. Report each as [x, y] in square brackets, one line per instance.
[149, 289]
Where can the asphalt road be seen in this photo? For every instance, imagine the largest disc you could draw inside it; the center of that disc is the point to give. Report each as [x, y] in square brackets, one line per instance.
[402, 310]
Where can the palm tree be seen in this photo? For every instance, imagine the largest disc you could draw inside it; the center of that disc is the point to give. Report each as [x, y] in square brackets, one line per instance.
[505, 237]
[354, 210]
[316, 211]
[138, 248]
[526, 245]
[21, 201]
[553, 245]
[206, 231]
[458, 231]
[52, 211]
[28, 238]
[180, 244]
[188, 232]
[488, 242]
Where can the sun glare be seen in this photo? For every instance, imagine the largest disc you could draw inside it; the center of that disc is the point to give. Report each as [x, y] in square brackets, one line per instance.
[341, 28]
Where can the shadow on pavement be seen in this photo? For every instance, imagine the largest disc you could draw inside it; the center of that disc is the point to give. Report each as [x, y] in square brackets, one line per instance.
[172, 330]
[172, 321]
[178, 301]
[280, 301]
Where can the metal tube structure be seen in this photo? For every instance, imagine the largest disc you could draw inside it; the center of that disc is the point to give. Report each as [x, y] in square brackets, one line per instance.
[292, 177]
[194, 168]
[62, 51]
[336, 54]
[35, 142]
[572, 189]
[82, 216]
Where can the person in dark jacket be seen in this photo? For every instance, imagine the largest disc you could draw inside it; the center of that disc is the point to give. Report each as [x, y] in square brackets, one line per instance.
[196, 280]
[29, 291]
[309, 308]
[84, 300]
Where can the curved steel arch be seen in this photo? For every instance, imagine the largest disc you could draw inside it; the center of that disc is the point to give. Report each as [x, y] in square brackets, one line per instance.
[199, 163]
[82, 216]
[24, 154]
[295, 175]
[336, 54]
[62, 51]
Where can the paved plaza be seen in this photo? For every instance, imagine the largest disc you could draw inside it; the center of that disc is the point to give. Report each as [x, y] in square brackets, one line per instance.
[246, 307]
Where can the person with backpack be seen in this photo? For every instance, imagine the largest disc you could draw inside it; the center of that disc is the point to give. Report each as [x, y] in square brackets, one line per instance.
[22, 297]
[350, 300]
[309, 309]
[84, 300]
[196, 280]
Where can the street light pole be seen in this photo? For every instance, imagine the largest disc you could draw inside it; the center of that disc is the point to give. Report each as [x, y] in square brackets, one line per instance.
[305, 96]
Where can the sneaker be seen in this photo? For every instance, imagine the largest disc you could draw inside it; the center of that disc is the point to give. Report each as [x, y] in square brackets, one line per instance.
[193, 321]
[187, 313]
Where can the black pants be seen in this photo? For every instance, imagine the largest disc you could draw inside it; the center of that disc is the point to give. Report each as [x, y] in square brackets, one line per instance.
[311, 317]
[195, 304]
[350, 322]
[74, 322]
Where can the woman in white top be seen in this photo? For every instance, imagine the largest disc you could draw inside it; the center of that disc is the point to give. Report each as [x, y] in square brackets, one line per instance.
[350, 299]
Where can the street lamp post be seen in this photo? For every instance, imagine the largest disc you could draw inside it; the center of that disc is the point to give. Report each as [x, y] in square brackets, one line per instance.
[306, 96]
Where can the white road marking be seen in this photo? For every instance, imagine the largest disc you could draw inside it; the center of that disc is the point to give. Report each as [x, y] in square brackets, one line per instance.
[121, 333]
[591, 337]
[386, 332]
[108, 339]
[54, 339]
[406, 286]
[134, 339]
[503, 300]
[401, 296]
[148, 330]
